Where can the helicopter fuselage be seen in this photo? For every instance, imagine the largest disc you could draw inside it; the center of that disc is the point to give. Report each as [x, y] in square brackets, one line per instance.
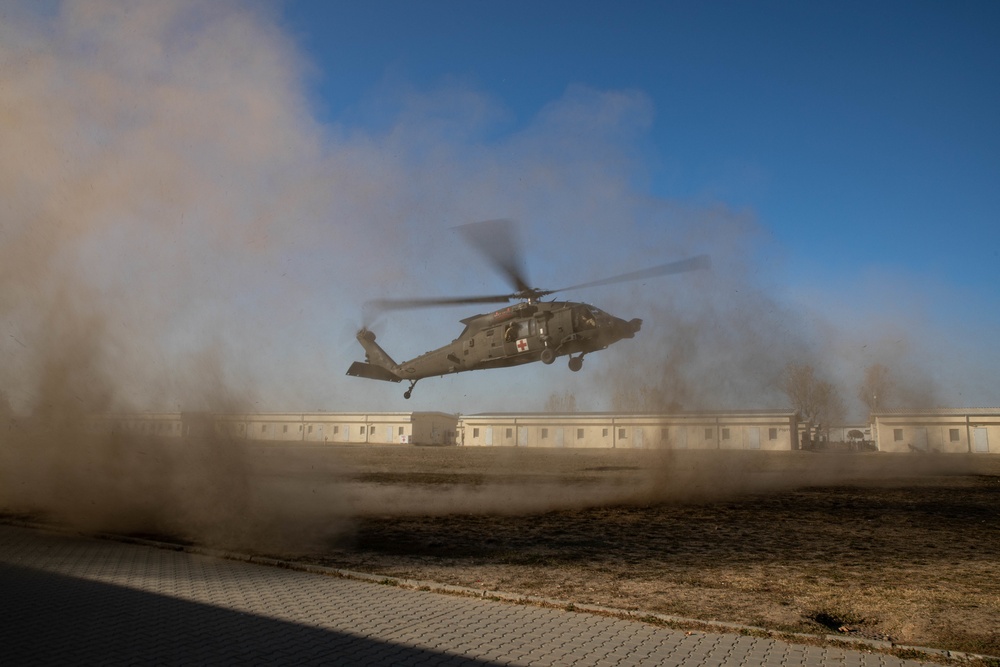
[518, 334]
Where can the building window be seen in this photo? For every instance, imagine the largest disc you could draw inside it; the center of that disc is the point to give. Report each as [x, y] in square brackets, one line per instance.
[284, 429]
[604, 432]
[545, 433]
[708, 434]
[400, 430]
[725, 434]
[772, 434]
[263, 428]
[579, 434]
[621, 434]
[475, 433]
[362, 430]
[336, 429]
[664, 433]
[509, 433]
[953, 435]
[897, 434]
[310, 428]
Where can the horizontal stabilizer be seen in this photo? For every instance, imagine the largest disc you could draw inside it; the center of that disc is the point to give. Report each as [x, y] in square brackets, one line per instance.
[362, 370]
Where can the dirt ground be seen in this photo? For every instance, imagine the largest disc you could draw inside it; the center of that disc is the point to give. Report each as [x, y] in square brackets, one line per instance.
[896, 547]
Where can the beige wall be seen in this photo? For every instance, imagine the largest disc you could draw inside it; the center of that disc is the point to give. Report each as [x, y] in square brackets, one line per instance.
[703, 431]
[946, 430]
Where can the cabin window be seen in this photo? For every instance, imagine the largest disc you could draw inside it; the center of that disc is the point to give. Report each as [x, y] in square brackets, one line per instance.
[725, 434]
[517, 330]
[708, 434]
[953, 435]
[772, 434]
[897, 434]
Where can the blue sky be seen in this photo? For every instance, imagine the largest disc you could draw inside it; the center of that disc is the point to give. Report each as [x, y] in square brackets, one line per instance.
[858, 133]
[224, 184]
[862, 138]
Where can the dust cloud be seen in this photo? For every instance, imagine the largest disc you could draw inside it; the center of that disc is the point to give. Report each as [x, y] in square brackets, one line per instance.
[178, 233]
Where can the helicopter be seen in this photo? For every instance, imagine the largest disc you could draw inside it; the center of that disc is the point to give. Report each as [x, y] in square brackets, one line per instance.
[528, 331]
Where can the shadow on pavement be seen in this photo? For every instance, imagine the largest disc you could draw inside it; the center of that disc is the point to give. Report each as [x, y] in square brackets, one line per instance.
[54, 619]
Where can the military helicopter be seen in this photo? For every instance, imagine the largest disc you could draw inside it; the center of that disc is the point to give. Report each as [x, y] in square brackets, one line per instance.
[528, 331]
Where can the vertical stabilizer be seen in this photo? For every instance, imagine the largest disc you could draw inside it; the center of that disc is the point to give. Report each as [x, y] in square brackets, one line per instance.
[379, 365]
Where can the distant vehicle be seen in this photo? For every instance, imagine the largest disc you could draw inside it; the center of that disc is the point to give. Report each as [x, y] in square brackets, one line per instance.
[528, 331]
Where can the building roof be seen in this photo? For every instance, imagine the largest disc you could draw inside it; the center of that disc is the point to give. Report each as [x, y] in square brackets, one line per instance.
[900, 412]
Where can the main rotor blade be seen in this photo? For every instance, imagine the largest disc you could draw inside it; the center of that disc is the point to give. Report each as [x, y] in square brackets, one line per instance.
[432, 302]
[497, 241]
[680, 266]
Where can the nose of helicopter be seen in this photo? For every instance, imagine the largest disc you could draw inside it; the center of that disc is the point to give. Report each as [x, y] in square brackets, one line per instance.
[627, 329]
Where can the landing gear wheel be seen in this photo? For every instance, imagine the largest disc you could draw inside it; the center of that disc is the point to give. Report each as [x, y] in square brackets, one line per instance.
[409, 392]
[548, 356]
[576, 363]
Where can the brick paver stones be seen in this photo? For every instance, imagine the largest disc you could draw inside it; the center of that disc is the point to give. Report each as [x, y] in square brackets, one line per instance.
[77, 601]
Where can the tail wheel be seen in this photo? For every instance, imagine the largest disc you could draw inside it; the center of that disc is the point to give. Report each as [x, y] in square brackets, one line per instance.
[576, 363]
[548, 356]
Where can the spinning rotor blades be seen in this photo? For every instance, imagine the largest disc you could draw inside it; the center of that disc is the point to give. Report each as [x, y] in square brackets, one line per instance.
[496, 240]
[670, 268]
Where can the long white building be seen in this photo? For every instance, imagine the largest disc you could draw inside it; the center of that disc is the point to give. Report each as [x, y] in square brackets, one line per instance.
[703, 430]
[960, 430]
[946, 430]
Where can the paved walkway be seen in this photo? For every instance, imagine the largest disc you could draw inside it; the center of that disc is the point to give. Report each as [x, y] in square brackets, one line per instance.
[77, 601]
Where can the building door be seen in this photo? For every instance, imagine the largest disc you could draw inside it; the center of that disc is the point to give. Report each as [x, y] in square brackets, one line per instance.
[679, 439]
[980, 438]
[559, 438]
[522, 436]
[753, 439]
[489, 436]
[637, 437]
[920, 439]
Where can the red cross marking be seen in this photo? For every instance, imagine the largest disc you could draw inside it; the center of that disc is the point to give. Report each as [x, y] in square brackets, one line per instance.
[522, 345]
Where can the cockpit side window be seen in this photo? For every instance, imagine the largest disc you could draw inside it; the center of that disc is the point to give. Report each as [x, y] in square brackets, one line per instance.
[583, 318]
